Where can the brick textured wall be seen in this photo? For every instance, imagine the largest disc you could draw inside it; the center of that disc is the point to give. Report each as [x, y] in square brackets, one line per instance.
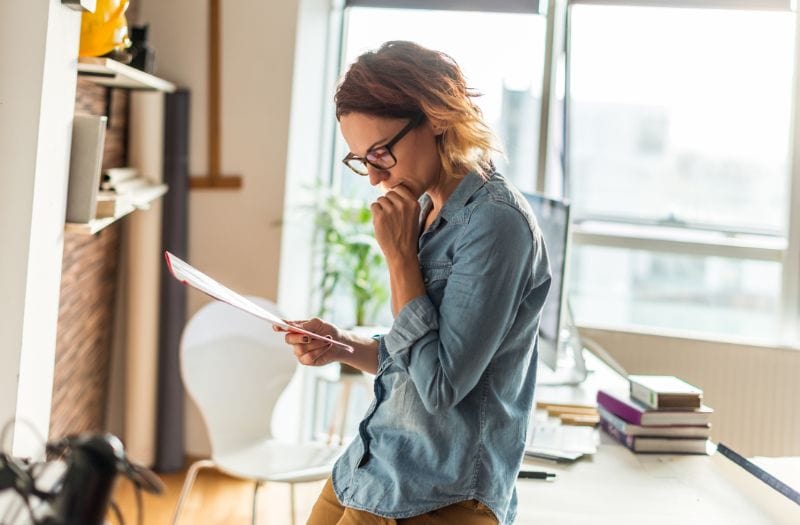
[88, 289]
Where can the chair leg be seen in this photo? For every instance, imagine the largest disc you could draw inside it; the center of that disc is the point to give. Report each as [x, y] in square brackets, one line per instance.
[292, 502]
[191, 475]
[255, 494]
[339, 416]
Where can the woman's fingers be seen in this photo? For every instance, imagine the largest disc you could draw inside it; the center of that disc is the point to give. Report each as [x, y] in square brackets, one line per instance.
[401, 191]
[301, 350]
[312, 354]
[293, 338]
[394, 199]
[307, 349]
[382, 203]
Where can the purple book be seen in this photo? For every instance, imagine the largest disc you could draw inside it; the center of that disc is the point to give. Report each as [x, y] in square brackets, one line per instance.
[659, 445]
[617, 434]
[622, 405]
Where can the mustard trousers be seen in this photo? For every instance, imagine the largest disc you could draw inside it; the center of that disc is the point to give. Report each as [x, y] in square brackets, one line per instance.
[328, 511]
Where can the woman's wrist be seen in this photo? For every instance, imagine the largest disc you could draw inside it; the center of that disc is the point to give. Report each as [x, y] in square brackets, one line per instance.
[365, 351]
[406, 281]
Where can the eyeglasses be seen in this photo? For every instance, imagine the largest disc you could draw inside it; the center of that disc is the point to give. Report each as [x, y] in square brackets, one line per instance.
[381, 157]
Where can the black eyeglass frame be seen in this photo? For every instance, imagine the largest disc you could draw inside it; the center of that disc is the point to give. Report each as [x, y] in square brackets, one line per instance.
[413, 123]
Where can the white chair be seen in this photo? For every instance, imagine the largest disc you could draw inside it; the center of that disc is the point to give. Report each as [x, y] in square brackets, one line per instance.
[235, 367]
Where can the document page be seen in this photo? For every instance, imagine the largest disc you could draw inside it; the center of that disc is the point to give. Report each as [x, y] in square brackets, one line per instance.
[193, 277]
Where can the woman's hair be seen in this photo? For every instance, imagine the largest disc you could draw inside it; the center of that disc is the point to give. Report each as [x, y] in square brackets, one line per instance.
[402, 80]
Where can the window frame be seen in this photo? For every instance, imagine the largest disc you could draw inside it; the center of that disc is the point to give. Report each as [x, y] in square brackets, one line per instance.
[497, 6]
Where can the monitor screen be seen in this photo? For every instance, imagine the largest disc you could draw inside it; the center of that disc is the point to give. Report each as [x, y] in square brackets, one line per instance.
[552, 215]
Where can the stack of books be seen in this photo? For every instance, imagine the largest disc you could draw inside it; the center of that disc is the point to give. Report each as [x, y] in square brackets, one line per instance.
[661, 414]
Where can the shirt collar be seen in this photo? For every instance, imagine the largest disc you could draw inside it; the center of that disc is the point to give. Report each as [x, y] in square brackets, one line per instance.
[471, 183]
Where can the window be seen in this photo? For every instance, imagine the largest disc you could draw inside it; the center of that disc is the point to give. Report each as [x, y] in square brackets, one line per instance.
[678, 127]
[501, 55]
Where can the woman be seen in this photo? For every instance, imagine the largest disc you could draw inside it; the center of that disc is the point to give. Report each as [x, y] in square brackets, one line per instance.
[444, 438]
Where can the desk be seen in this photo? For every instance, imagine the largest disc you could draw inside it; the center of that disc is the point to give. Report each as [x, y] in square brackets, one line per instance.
[616, 486]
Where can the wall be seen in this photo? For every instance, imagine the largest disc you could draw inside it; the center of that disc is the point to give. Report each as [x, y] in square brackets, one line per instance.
[235, 235]
[754, 390]
[37, 92]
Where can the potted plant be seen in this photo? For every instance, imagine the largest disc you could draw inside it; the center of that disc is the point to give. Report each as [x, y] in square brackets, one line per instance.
[352, 264]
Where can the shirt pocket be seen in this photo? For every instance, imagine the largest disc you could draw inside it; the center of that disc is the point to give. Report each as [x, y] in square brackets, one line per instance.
[435, 275]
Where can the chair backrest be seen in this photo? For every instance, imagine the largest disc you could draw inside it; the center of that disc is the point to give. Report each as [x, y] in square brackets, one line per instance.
[235, 367]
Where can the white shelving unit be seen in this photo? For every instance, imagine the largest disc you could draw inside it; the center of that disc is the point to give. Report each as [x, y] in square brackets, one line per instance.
[138, 200]
[108, 72]
[113, 74]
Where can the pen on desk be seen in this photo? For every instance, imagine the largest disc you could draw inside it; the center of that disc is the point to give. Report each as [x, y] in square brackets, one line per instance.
[535, 474]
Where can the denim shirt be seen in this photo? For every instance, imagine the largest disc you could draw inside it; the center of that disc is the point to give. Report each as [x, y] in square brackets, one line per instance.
[456, 372]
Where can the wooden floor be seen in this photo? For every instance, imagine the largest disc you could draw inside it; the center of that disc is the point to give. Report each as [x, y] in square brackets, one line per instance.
[217, 499]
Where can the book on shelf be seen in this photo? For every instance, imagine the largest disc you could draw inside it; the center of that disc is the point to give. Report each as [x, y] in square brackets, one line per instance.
[128, 185]
[698, 431]
[115, 175]
[663, 445]
[627, 408]
[664, 392]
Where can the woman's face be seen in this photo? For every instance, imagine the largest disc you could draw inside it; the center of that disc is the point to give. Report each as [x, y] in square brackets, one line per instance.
[418, 164]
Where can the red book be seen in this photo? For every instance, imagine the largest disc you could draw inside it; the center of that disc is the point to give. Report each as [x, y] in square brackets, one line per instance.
[622, 405]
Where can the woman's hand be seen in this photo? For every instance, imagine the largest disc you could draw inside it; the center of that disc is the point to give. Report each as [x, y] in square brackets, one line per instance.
[313, 352]
[396, 220]
[395, 217]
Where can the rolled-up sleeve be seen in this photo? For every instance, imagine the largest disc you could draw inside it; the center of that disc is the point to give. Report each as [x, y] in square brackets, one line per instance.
[416, 319]
[446, 350]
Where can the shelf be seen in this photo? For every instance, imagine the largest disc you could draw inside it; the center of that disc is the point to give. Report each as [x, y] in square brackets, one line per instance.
[140, 200]
[108, 72]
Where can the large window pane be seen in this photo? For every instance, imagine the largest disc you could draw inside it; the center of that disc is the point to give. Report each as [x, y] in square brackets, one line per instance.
[501, 56]
[681, 115]
[618, 287]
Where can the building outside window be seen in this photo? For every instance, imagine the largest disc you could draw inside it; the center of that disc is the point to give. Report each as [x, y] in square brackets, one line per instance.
[678, 165]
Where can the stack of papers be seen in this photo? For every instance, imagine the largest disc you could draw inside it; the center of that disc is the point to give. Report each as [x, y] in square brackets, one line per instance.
[549, 439]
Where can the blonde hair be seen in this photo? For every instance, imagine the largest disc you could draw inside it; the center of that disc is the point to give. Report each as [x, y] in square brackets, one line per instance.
[402, 80]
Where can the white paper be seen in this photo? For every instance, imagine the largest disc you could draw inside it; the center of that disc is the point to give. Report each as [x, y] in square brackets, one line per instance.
[191, 276]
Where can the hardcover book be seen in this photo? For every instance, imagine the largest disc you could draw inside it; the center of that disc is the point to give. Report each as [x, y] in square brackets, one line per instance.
[622, 405]
[664, 445]
[665, 392]
[694, 431]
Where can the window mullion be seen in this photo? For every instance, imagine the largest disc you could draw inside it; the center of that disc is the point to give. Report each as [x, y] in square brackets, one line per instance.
[791, 265]
[503, 6]
[758, 5]
[765, 252]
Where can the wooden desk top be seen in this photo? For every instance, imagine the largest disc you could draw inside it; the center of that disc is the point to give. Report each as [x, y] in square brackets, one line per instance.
[616, 486]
